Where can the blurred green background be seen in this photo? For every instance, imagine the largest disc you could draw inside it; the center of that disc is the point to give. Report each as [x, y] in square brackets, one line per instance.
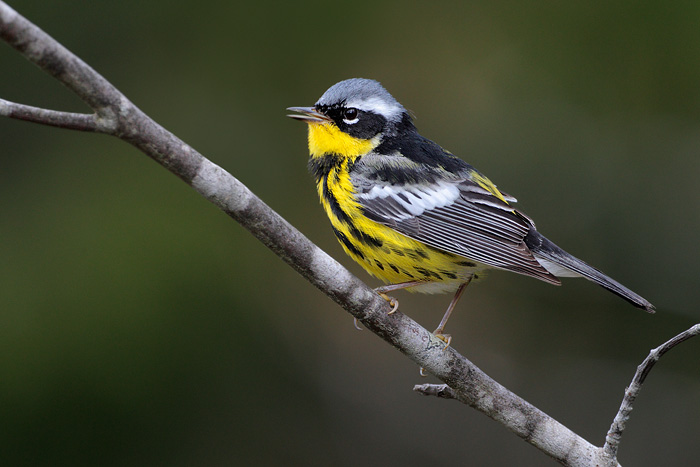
[141, 326]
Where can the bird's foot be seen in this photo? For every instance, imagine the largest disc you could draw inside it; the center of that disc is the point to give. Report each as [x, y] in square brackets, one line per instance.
[446, 338]
[392, 301]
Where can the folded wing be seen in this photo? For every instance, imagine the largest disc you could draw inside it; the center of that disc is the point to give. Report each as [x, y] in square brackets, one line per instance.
[468, 217]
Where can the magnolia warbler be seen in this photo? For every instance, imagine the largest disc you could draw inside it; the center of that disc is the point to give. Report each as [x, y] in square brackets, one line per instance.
[413, 214]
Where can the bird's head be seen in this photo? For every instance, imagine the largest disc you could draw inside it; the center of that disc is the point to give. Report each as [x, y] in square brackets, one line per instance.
[351, 118]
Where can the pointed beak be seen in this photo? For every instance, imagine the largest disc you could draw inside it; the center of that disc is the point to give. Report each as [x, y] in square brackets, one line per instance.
[308, 115]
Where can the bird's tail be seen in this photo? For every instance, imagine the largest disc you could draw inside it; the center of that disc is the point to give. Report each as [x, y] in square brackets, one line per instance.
[561, 263]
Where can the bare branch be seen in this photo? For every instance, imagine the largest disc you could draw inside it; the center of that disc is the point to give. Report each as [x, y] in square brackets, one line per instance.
[68, 120]
[614, 436]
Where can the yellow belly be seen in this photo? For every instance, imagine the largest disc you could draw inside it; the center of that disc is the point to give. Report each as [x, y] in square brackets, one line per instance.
[402, 259]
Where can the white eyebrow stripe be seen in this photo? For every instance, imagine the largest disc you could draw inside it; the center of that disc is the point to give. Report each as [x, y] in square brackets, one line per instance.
[377, 105]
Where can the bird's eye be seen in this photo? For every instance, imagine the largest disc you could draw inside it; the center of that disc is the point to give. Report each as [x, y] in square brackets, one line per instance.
[350, 115]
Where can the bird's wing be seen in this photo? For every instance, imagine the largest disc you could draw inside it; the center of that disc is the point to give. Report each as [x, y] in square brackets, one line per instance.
[466, 216]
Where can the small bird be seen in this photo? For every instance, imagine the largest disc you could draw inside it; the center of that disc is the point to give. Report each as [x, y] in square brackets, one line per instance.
[414, 215]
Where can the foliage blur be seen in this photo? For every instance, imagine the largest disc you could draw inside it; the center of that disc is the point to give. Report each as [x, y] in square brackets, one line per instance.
[141, 326]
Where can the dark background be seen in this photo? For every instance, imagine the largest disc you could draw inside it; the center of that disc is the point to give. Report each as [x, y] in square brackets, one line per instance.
[141, 326]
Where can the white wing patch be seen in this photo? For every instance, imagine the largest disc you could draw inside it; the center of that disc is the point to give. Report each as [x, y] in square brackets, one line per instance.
[415, 199]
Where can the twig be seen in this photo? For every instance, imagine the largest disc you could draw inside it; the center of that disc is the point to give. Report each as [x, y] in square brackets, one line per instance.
[71, 121]
[614, 436]
[441, 391]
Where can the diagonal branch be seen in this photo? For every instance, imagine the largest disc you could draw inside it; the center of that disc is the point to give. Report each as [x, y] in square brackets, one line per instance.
[614, 436]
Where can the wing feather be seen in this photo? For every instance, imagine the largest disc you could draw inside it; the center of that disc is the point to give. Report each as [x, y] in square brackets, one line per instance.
[458, 216]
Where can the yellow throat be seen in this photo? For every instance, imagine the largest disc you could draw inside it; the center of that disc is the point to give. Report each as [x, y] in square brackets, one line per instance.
[326, 138]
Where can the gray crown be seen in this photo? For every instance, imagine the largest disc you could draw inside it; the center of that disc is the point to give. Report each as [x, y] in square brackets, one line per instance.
[363, 94]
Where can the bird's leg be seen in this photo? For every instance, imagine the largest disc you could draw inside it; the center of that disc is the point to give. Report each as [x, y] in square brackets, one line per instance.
[446, 338]
[390, 288]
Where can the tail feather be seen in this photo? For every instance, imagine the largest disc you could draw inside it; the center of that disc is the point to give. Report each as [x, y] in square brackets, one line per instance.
[544, 249]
